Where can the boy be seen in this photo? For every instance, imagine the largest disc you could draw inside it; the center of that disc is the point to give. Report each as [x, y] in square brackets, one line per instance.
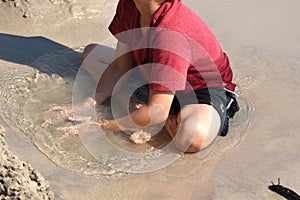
[192, 125]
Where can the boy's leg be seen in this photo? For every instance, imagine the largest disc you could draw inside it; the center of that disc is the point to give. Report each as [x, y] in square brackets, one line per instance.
[96, 58]
[195, 127]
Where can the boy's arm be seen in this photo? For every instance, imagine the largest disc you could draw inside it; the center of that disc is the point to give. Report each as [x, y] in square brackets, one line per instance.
[155, 112]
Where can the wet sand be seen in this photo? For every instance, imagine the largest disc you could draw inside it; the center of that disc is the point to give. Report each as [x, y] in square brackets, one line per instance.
[260, 39]
[19, 179]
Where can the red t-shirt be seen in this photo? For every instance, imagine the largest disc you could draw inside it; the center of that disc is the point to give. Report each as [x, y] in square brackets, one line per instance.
[177, 51]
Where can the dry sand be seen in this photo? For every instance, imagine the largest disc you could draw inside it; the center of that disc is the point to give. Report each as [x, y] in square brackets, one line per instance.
[262, 40]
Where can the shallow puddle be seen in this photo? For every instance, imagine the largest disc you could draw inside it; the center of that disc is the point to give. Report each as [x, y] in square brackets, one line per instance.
[27, 92]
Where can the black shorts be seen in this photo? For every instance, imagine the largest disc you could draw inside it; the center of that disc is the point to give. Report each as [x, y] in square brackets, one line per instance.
[216, 97]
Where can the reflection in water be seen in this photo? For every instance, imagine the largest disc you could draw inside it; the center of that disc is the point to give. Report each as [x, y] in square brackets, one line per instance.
[27, 93]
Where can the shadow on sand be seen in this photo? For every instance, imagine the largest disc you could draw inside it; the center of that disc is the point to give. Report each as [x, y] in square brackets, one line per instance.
[26, 50]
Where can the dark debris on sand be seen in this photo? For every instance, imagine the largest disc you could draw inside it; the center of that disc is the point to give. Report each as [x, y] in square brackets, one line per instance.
[18, 180]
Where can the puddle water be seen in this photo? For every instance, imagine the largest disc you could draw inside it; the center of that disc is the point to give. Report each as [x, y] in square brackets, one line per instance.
[237, 130]
[27, 92]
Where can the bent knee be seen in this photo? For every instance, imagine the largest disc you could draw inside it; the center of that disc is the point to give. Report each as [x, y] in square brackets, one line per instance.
[200, 138]
[86, 51]
[193, 146]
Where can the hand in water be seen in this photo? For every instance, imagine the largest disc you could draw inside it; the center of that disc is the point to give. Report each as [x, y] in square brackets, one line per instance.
[83, 123]
[75, 129]
[109, 125]
[140, 137]
[72, 130]
[74, 114]
[72, 111]
[63, 111]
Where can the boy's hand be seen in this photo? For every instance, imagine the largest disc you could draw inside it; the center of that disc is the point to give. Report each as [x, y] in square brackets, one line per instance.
[109, 125]
[67, 110]
[63, 111]
[140, 137]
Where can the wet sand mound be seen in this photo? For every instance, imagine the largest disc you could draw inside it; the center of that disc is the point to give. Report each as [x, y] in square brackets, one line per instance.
[18, 180]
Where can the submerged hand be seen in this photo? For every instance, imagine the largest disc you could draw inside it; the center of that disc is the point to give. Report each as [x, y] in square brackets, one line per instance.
[140, 137]
[68, 111]
[109, 125]
[77, 129]
[63, 111]
[72, 130]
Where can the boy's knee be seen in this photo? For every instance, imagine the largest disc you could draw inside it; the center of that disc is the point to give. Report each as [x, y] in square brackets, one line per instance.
[193, 148]
[192, 140]
[86, 51]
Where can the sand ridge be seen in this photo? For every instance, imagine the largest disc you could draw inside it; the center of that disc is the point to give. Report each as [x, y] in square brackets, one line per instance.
[18, 179]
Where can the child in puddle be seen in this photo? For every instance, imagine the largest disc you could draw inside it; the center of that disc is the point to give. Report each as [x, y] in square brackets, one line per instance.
[189, 88]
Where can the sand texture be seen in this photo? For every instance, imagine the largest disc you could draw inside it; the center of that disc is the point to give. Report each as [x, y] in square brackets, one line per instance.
[18, 179]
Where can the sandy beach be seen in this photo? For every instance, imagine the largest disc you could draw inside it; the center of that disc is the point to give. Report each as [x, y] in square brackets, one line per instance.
[40, 48]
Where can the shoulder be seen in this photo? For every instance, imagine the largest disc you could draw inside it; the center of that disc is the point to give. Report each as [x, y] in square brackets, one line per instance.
[181, 18]
[125, 9]
[125, 5]
[125, 17]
